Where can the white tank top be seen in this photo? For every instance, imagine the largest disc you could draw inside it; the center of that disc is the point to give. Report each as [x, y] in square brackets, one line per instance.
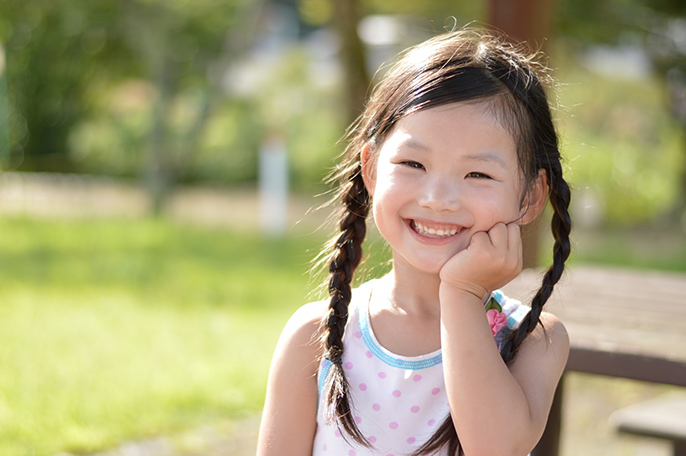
[398, 402]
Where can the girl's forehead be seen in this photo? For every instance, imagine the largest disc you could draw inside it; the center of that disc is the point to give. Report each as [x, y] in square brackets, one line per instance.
[455, 125]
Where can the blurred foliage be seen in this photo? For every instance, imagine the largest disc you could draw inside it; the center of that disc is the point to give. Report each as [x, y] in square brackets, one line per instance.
[607, 21]
[72, 62]
[187, 91]
[624, 153]
[433, 16]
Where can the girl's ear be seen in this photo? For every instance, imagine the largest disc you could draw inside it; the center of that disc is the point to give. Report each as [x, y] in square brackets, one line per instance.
[368, 169]
[535, 199]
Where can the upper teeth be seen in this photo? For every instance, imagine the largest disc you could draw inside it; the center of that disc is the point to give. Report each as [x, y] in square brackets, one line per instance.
[438, 232]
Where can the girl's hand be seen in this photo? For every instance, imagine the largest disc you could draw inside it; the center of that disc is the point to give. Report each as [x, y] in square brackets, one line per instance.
[493, 259]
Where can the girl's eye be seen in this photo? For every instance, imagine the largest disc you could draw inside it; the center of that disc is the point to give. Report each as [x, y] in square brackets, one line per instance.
[477, 175]
[413, 164]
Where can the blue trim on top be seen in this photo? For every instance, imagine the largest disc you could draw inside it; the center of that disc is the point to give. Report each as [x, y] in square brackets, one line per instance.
[323, 375]
[365, 330]
[498, 295]
[517, 316]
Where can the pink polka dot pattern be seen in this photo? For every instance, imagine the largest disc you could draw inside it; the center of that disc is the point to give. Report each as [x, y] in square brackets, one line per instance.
[400, 401]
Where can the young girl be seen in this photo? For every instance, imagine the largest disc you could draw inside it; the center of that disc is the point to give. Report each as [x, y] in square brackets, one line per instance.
[455, 150]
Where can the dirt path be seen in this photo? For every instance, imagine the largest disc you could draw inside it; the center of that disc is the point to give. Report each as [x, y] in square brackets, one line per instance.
[72, 196]
[237, 438]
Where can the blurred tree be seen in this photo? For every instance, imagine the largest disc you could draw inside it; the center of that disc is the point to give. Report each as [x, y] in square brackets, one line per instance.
[356, 79]
[667, 45]
[176, 43]
[62, 52]
[55, 50]
[345, 16]
[4, 111]
[522, 20]
[658, 27]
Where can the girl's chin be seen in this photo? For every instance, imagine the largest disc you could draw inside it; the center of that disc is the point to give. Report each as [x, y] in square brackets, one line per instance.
[418, 265]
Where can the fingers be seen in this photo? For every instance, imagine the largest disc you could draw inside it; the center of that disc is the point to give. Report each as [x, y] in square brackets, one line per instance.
[502, 236]
[503, 245]
[499, 236]
[493, 259]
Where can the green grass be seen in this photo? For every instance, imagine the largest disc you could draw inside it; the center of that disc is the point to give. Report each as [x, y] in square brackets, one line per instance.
[120, 330]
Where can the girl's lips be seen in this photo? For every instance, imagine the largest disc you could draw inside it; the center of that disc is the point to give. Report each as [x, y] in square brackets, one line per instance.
[434, 230]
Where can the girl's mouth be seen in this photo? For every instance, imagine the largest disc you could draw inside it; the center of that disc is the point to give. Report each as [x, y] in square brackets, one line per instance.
[435, 230]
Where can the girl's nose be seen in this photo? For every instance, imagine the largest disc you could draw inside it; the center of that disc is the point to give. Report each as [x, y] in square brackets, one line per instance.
[441, 194]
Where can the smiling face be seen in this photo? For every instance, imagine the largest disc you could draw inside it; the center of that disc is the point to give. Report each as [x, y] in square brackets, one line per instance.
[440, 176]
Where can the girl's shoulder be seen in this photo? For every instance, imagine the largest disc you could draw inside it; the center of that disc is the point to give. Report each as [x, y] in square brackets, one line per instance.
[553, 333]
[290, 410]
[305, 325]
[312, 312]
[545, 350]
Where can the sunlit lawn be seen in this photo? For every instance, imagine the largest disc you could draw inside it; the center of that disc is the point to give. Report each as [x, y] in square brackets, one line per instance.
[119, 330]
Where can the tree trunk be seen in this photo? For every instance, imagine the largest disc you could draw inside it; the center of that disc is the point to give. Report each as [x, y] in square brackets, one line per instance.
[352, 57]
[158, 179]
[522, 20]
[4, 114]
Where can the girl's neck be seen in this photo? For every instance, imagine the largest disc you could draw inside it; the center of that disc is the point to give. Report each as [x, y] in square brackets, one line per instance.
[404, 313]
[413, 292]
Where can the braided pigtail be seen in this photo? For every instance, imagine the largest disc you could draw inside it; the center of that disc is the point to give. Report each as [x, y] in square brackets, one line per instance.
[342, 265]
[561, 226]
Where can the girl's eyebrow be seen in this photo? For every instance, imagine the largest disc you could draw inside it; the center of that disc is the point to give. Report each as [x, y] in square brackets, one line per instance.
[487, 156]
[414, 144]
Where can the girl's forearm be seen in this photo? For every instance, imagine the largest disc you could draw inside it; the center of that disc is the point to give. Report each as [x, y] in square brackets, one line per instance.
[490, 411]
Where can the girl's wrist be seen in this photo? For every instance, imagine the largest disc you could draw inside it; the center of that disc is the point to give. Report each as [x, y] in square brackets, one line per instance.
[465, 291]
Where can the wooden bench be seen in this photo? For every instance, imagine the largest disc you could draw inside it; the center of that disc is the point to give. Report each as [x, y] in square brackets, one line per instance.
[621, 322]
[663, 418]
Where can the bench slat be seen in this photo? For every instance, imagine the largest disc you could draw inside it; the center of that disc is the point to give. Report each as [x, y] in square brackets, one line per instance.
[663, 417]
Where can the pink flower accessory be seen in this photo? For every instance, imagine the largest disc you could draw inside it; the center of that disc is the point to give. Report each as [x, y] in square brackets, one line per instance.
[496, 318]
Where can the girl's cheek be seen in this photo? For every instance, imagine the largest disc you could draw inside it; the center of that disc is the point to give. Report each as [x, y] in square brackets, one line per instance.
[500, 213]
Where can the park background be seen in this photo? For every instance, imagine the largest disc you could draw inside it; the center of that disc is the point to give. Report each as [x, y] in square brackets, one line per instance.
[142, 293]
